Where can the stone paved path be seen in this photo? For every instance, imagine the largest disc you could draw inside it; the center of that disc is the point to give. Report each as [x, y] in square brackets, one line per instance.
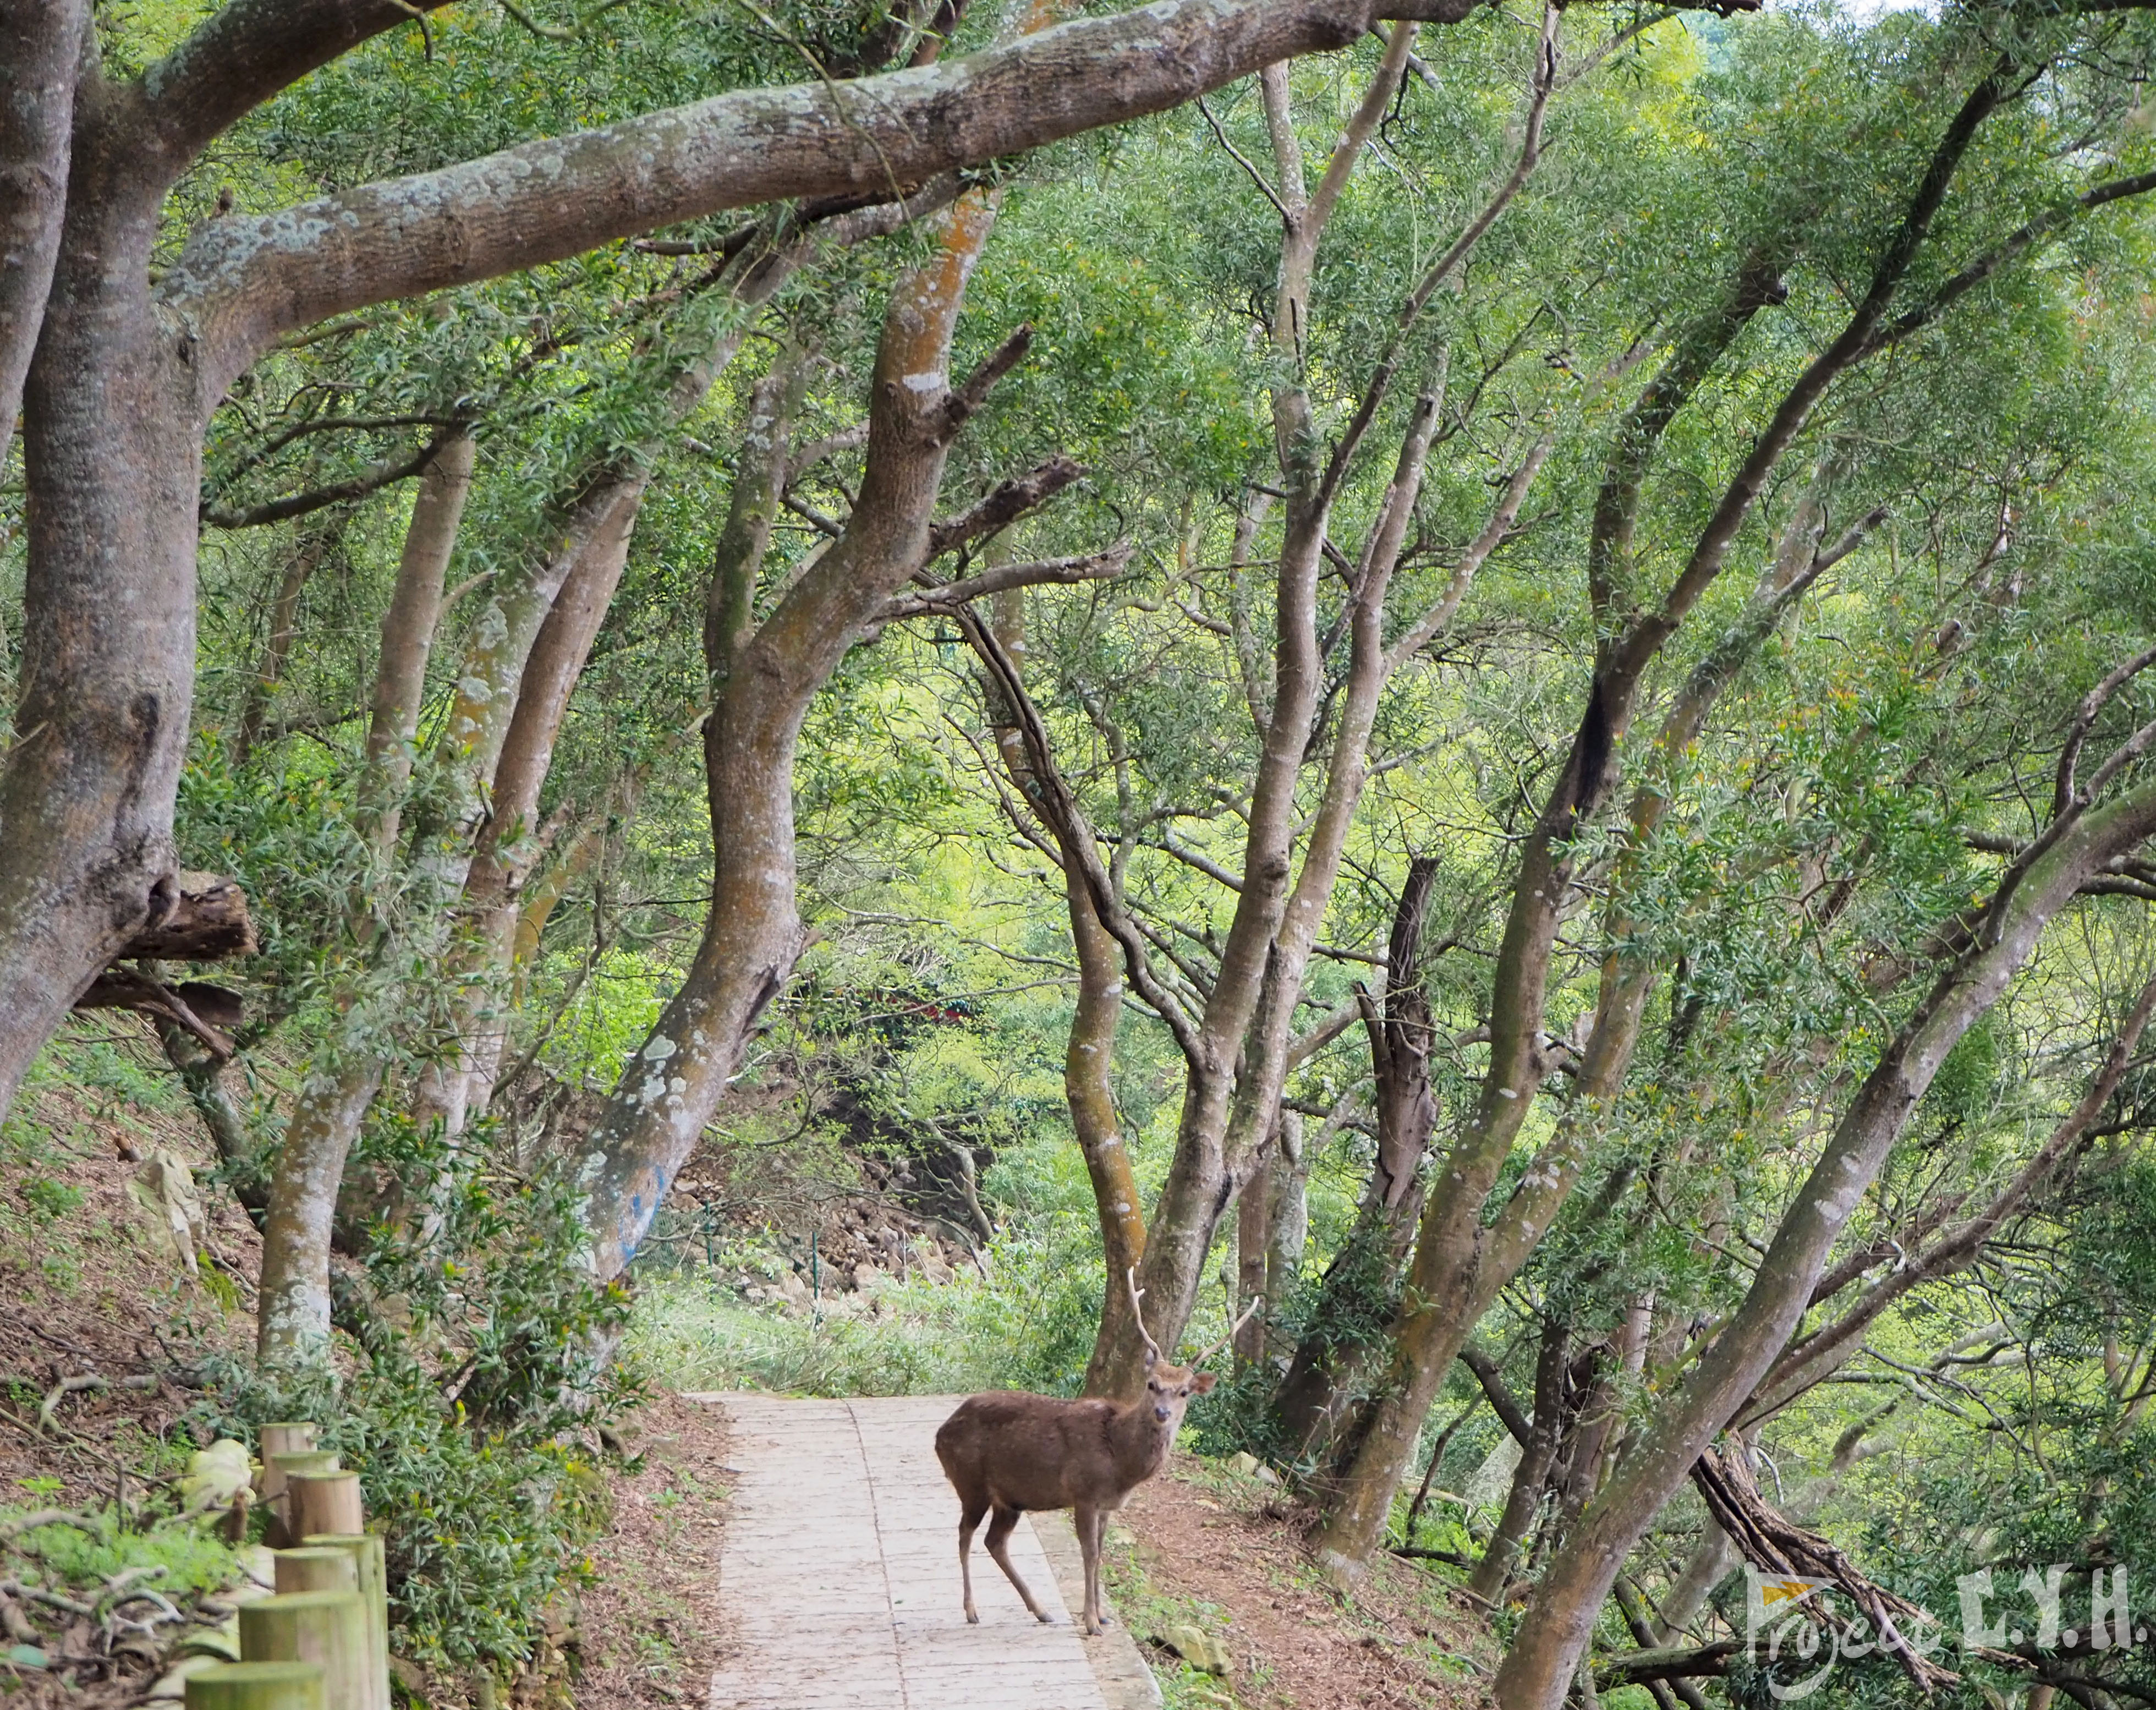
[839, 1573]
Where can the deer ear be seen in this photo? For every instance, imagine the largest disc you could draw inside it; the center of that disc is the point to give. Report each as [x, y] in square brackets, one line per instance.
[1203, 1382]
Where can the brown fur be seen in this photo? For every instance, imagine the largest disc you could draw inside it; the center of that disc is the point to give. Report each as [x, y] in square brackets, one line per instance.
[1006, 1453]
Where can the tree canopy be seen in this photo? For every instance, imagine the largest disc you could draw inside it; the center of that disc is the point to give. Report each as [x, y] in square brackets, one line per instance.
[1486, 669]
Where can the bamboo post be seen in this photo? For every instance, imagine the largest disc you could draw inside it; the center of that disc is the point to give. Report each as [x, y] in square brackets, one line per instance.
[319, 1502]
[256, 1686]
[366, 1550]
[279, 1468]
[324, 1627]
[316, 1568]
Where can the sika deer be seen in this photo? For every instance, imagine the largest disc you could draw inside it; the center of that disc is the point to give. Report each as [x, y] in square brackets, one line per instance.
[1005, 1452]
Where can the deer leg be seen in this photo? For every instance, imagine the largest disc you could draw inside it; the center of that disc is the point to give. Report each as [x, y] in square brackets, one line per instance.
[999, 1532]
[1088, 1527]
[969, 1516]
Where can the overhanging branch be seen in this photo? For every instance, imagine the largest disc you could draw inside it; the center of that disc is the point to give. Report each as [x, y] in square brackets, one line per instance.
[246, 280]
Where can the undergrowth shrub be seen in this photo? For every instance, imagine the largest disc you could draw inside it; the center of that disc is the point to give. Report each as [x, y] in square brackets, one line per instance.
[483, 1365]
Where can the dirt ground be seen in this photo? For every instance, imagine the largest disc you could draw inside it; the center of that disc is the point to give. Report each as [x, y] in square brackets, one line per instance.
[88, 1282]
[1225, 1551]
[649, 1628]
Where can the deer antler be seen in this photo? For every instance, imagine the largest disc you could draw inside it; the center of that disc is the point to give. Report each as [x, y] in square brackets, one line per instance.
[1249, 1312]
[1137, 1312]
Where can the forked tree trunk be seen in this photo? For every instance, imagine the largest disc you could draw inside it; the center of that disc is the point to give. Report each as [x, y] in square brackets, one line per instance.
[1238, 1053]
[761, 693]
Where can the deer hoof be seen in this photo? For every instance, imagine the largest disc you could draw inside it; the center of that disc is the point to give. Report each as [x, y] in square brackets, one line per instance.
[973, 1618]
[1044, 1618]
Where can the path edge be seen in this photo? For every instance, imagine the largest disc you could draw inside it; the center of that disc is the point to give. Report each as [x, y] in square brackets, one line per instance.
[1126, 1682]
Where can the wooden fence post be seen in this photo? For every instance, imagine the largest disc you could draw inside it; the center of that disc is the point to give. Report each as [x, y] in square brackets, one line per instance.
[366, 1550]
[318, 1503]
[279, 1470]
[324, 1627]
[316, 1568]
[256, 1686]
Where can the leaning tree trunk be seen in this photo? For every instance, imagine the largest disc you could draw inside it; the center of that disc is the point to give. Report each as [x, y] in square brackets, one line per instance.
[308, 1177]
[761, 693]
[1551, 1642]
[508, 845]
[1089, 1081]
[408, 636]
[41, 43]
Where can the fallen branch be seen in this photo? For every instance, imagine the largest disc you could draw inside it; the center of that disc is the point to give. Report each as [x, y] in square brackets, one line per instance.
[210, 1013]
[47, 1517]
[16, 1587]
[1775, 1544]
[1636, 1668]
[60, 1391]
[207, 921]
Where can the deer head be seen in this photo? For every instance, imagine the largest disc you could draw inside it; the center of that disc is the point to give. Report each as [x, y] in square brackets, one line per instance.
[1169, 1388]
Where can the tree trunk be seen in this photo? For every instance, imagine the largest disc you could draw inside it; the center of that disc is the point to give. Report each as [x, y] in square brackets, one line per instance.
[293, 1331]
[752, 934]
[1710, 1563]
[1553, 1638]
[86, 856]
[1524, 1497]
[203, 1075]
[508, 846]
[1362, 1285]
[408, 636]
[1089, 1081]
[42, 44]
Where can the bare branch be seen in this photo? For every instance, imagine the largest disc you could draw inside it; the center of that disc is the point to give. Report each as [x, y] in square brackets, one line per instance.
[385, 474]
[944, 599]
[1243, 160]
[1011, 500]
[1418, 300]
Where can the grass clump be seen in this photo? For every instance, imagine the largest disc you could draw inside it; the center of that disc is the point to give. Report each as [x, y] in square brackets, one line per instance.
[1029, 1324]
